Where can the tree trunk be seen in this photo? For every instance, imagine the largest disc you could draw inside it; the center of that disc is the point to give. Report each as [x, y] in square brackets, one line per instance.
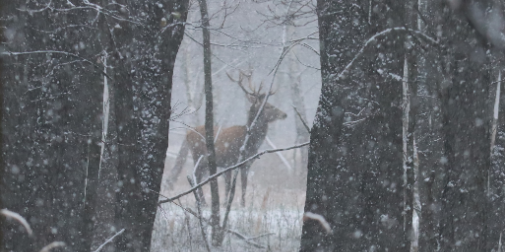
[217, 234]
[355, 173]
[2, 164]
[428, 132]
[331, 187]
[466, 114]
[51, 129]
[142, 92]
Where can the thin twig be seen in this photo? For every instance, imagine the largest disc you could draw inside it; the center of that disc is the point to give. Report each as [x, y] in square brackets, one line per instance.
[260, 236]
[373, 39]
[229, 169]
[243, 237]
[279, 154]
[305, 65]
[99, 69]
[109, 240]
[301, 119]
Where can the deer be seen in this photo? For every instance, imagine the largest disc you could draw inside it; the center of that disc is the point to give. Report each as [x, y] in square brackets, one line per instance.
[229, 141]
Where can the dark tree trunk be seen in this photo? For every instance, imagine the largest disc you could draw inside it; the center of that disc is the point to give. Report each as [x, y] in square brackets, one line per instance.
[52, 117]
[332, 188]
[355, 173]
[106, 183]
[428, 134]
[144, 61]
[217, 234]
[52, 125]
[496, 173]
[466, 113]
[2, 164]
[498, 170]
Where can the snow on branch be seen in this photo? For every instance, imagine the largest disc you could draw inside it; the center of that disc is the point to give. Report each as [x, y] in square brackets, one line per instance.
[87, 6]
[373, 39]
[287, 48]
[310, 48]
[245, 238]
[281, 157]
[53, 245]
[18, 218]
[229, 169]
[320, 219]
[99, 68]
[109, 240]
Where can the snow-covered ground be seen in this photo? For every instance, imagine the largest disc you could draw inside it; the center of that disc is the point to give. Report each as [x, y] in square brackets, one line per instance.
[272, 217]
[278, 229]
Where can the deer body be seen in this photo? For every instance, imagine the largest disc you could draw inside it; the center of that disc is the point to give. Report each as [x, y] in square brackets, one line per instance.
[228, 145]
[231, 144]
[230, 141]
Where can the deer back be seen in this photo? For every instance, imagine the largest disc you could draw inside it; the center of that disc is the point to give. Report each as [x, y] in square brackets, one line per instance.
[228, 144]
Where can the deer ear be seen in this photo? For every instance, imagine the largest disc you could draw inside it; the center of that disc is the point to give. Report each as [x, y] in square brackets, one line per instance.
[251, 98]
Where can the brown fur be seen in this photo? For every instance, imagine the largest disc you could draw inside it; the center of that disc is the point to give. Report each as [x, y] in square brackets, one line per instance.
[230, 140]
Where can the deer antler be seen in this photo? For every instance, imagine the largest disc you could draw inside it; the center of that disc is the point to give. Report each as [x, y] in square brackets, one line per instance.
[253, 92]
[239, 82]
[272, 92]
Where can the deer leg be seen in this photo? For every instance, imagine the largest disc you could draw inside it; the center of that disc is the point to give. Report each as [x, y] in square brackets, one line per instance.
[199, 172]
[227, 186]
[243, 177]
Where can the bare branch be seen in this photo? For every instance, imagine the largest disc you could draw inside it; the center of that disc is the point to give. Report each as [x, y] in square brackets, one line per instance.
[281, 157]
[87, 6]
[301, 119]
[53, 245]
[19, 218]
[373, 39]
[310, 48]
[109, 240]
[320, 219]
[243, 237]
[99, 69]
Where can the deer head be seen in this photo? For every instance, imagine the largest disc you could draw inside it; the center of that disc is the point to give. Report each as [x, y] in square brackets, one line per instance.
[269, 112]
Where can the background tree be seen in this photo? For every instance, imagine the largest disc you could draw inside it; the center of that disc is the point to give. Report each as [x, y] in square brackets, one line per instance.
[53, 125]
[359, 195]
[356, 141]
[466, 130]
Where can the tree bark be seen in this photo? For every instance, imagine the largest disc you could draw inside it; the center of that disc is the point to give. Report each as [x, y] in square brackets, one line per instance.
[217, 234]
[330, 189]
[466, 127]
[355, 173]
[144, 61]
[51, 126]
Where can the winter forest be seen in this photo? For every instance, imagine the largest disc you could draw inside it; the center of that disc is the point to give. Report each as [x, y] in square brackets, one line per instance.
[252, 125]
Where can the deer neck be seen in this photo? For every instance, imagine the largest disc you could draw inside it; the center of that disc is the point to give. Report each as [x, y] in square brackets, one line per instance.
[257, 133]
